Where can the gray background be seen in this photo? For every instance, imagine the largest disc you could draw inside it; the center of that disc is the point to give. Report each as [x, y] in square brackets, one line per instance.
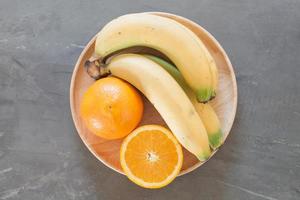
[41, 155]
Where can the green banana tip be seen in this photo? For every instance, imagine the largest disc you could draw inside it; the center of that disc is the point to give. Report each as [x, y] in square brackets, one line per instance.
[205, 95]
[216, 139]
[204, 156]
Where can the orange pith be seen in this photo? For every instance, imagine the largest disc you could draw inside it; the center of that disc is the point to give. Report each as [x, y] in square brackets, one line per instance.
[151, 156]
[111, 108]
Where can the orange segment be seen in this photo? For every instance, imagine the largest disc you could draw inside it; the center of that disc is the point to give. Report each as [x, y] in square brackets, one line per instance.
[151, 156]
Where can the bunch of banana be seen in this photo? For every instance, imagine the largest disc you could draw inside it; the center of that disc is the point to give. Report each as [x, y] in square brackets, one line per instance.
[175, 94]
[205, 111]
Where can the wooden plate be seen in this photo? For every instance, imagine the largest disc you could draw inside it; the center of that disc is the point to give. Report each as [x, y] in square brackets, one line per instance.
[107, 151]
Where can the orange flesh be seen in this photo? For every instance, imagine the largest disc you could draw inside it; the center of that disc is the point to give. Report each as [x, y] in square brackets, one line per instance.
[151, 156]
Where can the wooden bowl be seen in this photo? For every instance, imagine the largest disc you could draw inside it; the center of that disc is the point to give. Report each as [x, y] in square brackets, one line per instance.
[225, 103]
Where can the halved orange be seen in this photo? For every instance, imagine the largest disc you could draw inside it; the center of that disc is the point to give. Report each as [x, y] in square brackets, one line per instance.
[151, 157]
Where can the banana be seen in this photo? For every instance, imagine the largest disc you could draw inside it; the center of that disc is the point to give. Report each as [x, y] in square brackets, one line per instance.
[171, 38]
[205, 111]
[167, 97]
[192, 26]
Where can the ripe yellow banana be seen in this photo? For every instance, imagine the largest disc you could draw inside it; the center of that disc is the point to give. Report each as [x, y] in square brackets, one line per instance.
[167, 97]
[205, 111]
[193, 27]
[171, 38]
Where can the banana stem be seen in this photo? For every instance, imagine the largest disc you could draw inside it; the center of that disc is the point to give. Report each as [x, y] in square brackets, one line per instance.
[96, 69]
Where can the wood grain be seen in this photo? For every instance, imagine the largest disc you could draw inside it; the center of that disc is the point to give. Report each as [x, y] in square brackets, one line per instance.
[107, 151]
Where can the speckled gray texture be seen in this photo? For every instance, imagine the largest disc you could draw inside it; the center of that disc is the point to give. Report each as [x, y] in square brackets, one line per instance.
[41, 155]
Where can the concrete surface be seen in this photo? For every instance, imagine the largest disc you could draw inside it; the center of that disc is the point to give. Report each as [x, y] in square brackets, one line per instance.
[41, 155]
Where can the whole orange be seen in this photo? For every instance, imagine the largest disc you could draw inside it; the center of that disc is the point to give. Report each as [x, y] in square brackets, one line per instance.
[111, 108]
